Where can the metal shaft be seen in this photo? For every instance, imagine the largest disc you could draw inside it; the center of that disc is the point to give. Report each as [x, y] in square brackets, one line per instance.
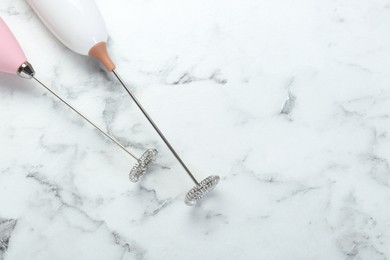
[155, 127]
[89, 121]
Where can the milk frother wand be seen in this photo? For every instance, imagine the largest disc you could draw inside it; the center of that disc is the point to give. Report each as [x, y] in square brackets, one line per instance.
[14, 61]
[80, 26]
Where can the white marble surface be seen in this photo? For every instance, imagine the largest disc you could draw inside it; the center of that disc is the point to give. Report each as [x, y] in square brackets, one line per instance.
[288, 101]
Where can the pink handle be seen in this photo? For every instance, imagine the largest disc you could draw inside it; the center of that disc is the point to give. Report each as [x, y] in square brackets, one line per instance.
[11, 54]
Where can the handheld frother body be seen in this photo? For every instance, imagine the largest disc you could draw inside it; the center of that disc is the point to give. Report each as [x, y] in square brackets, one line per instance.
[12, 55]
[79, 25]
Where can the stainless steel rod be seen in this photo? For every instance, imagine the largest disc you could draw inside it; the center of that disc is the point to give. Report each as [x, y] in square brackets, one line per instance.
[155, 127]
[89, 121]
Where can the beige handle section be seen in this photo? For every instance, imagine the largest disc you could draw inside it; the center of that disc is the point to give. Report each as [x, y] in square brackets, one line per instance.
[99, 51]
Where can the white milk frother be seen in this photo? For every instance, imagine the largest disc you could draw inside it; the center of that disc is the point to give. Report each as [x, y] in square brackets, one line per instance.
[79, 25]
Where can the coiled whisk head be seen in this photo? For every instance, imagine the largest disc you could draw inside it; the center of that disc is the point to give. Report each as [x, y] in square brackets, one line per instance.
[142, 165]
[199, 191]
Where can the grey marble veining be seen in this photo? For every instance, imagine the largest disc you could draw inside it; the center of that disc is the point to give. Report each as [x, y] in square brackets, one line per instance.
[6, 228]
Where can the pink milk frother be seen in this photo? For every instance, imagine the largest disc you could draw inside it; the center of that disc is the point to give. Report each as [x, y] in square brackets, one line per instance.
[13, 61]
[79, 25]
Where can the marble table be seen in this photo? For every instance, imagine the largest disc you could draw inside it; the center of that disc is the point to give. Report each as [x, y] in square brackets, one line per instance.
[288, 101]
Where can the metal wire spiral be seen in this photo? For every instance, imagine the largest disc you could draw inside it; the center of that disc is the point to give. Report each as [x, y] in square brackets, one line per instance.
[199, 191]
[141, 166]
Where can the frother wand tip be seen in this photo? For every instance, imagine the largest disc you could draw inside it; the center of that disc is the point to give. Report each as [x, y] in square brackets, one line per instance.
[99, 52]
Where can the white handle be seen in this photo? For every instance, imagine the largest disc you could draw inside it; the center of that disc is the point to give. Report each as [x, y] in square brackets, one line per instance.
[78, 24]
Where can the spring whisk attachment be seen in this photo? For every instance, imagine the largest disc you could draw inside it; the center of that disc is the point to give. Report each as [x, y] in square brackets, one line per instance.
[142, 165]
[200, 190]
